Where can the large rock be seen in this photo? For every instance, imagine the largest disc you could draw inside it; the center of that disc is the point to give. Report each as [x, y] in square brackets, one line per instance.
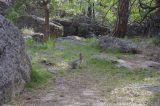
[122, 45]
[82, 26]
[38, 37]
[150, 27]
[38, 24]
[67, 25]
[15, 66]
[3, 7]
[135, 29]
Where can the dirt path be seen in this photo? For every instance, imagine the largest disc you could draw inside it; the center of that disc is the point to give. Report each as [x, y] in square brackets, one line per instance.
[78, 90]
[82, 89]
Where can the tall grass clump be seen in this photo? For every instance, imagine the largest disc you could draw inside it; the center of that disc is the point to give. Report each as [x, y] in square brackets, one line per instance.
[39, 76]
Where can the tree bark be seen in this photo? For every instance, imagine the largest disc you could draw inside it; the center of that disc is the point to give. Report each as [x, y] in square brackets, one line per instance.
[89, 10]
[122, 19]
[47, 28]
[93, 11]
[158, 10]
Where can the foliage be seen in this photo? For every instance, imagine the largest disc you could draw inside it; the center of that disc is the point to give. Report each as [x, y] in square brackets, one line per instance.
[17, 9]
[106, 10]
[12, 14]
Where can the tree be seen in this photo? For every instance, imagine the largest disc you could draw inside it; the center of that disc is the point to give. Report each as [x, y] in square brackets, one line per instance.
[122, 19]
[45, 5]
[89, 13]
[91, 9]
[158, 5]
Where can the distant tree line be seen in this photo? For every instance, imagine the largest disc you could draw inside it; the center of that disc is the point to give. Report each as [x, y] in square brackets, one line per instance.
[114, 12]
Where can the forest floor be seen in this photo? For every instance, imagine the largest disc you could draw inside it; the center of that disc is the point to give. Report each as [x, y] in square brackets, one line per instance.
[97, 82]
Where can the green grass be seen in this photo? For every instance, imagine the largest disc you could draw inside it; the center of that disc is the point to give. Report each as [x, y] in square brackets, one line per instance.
[126, 75]
[155, 101]
[100, 66]
[155, 40]
[88, 49]
[105, 72]
[35, 47]
[39, 76]
[151, 40]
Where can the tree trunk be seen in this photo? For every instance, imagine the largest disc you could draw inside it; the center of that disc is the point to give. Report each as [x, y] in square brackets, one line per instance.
[93, 11]
[122, 19]
[89, 10]
[46, 26]
[158, 10]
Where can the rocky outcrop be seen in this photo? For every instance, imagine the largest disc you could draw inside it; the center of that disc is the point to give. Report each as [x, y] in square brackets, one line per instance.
[135, 29]
[15, 66]
[82, 26]
[37, 24]
[3, 8]
[122, 45]
[150, 27]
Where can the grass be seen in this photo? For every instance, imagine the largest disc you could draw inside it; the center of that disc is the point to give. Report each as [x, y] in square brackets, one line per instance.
[155, 40]
[155, 100]
[123, 73]
[27, 31]
[107, 74]
[152, 40]
[88, 49]
[39, 76]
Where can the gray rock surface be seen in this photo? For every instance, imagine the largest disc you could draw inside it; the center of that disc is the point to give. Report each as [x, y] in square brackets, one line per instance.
[136, 63]
[124, 46]
[3, 7]
[38, 37]
[82, 26]
[72, 38]
[37, 24]
[15, 66]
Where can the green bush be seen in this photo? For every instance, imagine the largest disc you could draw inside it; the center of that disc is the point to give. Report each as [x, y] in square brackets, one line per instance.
[12, 14]
[16, 9]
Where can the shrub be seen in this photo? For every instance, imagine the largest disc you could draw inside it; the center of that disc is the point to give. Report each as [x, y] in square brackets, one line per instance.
[17, 9]
[12, 14]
